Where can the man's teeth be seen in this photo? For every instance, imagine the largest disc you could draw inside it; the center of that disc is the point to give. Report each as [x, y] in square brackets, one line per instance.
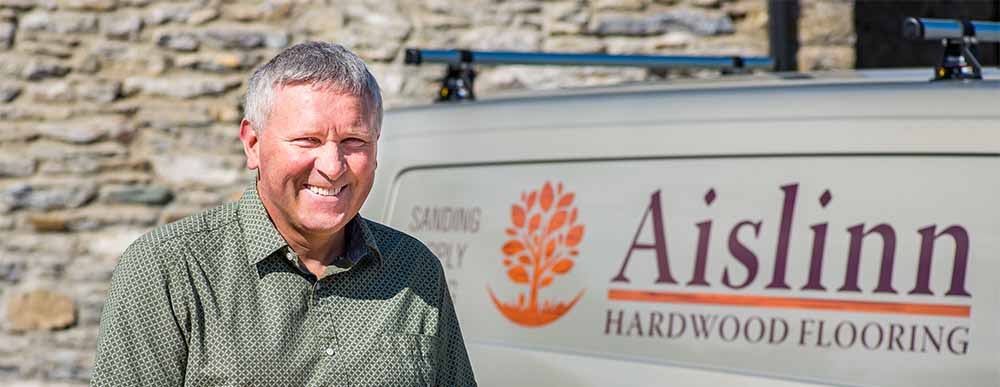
[324, 191]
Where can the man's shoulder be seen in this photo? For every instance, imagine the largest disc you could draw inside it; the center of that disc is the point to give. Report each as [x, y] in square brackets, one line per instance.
[387, 234]
[191, 228]
[396, 244]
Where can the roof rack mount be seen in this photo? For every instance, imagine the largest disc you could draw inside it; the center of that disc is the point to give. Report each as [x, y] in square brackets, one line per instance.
[959, 37]
[460, 75]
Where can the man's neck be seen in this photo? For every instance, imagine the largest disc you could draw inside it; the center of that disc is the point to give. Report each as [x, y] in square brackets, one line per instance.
[315, 251]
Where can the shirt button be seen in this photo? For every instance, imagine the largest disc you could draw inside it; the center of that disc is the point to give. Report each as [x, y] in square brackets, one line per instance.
[329, 351]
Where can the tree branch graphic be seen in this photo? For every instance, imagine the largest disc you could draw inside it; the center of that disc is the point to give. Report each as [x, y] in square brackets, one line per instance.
[543, 241]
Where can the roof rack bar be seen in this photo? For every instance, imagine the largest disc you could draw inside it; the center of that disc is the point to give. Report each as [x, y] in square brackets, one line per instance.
[454, 57]
[457, 84]
[959, 38]
[935, 29]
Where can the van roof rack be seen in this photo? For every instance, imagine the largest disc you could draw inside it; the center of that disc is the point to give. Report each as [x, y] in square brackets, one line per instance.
[457, 84]
[959, 38]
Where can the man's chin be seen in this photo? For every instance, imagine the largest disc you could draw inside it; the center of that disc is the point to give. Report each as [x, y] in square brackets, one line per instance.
[325, 226]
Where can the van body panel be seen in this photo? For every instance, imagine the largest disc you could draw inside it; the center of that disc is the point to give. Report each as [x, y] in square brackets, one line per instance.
[890, 179]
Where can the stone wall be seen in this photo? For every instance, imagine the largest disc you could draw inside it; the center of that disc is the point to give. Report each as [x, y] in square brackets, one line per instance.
[119, 115]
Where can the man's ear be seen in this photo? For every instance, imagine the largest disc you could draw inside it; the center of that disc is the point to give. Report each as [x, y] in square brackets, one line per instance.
[251, 144]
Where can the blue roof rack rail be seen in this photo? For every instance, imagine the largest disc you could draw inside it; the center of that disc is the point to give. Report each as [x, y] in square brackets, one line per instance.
[460, 76]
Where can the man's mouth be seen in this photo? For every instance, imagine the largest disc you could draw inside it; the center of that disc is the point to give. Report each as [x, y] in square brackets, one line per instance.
[324, 191]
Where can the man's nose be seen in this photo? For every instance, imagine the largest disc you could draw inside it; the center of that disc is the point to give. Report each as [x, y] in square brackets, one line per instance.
[330, 161]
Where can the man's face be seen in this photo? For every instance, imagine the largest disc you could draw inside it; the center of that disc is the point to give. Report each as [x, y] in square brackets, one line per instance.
[315, 158]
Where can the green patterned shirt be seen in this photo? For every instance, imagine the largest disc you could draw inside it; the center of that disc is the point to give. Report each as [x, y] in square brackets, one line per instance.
[215, 299]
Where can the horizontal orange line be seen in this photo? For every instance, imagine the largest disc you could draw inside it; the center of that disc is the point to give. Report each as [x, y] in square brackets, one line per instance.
[790, 303]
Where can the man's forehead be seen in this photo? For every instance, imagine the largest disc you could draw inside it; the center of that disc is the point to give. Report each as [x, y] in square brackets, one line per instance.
[367, 112]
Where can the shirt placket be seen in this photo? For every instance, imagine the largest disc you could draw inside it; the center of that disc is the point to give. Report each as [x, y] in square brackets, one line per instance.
[321, 317]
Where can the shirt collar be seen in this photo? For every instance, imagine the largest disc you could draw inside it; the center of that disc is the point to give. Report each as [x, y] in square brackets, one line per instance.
[262, 239]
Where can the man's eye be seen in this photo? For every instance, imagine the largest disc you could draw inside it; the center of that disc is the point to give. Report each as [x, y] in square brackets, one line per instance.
[354, 141]
[308, 141]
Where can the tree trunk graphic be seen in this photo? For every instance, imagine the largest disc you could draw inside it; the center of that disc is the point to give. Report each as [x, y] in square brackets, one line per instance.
[544, 239]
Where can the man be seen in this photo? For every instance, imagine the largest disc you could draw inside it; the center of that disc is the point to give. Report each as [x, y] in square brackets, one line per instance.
[289, 286]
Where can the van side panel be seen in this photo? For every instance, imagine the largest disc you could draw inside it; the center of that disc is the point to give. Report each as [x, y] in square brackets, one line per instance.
[853, 269]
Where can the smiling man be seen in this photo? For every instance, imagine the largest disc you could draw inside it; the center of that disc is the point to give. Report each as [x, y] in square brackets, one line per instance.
[289, 285]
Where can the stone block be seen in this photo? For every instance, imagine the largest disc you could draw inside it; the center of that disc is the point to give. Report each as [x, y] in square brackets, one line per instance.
[83, 164]
[745, 9]
[87, 64]
[812, 58]
[12, 272]
[40, 310]
[521, 6]
[83, 130]
[111, 243]
[443, 21]
[16, 166]
[100, 91]
[266, 11]
[706, 3]
[199, 170]
[121, 27]
[203, 16]
[573, 44]
[368, 44]
[226, 113]
[48, 222]
[37, 246]
[138, 195]
[170, 117]
[21, 5]
[46, 149]
[180, 87]
[37, 70]
[827, 23]
[161, 13]
[9, 91]
[220, 62]
[95, 218]
[89, 5]
[620, 5]
[123, 58]
[7, 32]
[59, 22]
[697, 22]
[13, 197]
[502, 38]
[12, 65]
[320, 20]
[59, 91]
[178, 41]
[46, 49]
[51, 197]
[565, 18]
[243, 38]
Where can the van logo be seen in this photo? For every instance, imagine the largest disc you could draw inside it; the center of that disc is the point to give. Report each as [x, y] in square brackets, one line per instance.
[544, 239]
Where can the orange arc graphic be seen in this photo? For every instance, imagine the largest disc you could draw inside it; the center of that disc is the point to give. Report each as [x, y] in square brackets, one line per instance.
[791, 303]
[533, 318]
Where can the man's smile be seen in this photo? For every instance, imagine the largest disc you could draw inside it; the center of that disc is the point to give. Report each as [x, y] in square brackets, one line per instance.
[326, 192]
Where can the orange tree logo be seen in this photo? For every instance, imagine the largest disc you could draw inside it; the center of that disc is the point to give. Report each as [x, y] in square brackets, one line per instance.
[543, 242]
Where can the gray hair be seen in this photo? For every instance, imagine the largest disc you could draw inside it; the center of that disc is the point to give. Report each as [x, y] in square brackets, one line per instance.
[315, 63]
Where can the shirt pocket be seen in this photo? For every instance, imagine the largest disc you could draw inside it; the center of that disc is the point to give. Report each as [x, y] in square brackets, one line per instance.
[406, 359]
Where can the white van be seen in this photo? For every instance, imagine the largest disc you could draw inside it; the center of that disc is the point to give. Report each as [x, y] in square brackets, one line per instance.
[752, 231]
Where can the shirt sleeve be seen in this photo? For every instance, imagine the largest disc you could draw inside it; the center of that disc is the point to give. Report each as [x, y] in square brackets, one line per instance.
[142, 341]
[453, 360]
